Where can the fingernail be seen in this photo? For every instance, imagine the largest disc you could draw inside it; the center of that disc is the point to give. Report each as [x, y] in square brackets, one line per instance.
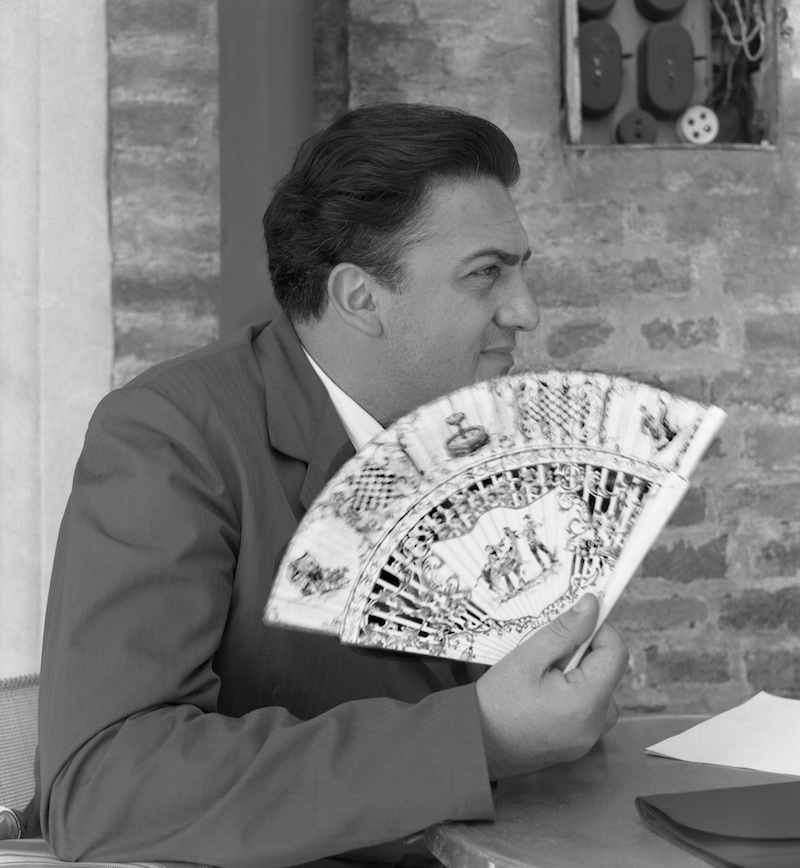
[583, 604]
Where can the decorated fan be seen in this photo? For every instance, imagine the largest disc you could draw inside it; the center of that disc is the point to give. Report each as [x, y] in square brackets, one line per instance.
[480, 517]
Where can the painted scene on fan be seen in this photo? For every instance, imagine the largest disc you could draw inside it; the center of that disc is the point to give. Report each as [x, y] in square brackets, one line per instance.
[498, 559]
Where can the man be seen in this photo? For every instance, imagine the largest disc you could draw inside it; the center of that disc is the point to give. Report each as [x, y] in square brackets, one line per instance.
[175, 725]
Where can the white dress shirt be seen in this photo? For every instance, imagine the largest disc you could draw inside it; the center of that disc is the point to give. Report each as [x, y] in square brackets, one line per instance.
[358, 424]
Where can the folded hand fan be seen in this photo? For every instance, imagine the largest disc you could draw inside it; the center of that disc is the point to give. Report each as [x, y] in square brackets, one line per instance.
[480, 517]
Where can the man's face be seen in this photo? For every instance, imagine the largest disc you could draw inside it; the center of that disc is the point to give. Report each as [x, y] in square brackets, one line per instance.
[463, 297]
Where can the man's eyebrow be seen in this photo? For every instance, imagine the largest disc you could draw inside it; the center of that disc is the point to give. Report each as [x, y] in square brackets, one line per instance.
[503, 255]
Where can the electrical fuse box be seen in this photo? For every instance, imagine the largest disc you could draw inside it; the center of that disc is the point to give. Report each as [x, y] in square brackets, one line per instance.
[669, 73]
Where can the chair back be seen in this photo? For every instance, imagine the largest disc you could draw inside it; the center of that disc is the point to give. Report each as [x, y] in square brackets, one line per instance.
[19, 699]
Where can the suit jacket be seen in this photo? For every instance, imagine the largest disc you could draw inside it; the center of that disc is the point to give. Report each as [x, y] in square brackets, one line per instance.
[175, 725]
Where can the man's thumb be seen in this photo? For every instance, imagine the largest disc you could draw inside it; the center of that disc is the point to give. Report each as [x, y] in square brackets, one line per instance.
[564, 635]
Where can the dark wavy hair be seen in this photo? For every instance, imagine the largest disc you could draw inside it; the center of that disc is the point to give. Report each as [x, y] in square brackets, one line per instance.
[357, 186]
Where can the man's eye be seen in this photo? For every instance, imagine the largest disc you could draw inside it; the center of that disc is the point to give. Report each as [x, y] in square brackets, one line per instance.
[487, 271]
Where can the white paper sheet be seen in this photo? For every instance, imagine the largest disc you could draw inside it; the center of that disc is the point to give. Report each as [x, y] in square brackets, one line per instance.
[762, 733]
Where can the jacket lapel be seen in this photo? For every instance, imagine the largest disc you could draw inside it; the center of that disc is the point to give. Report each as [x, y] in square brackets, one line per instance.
[301, 419]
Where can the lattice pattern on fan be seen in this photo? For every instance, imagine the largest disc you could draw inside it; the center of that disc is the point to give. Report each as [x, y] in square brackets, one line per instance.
[480, 517]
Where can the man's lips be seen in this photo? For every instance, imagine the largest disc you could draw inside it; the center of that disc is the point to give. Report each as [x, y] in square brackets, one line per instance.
[500, 351]
[500, 358]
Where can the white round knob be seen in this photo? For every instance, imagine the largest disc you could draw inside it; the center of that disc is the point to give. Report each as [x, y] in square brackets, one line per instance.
[698, 125]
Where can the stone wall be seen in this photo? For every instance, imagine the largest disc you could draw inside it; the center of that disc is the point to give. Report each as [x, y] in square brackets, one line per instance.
[680, 266]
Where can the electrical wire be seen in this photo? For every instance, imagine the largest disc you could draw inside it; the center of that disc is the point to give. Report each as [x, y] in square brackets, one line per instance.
[753, 17]
[739, 33]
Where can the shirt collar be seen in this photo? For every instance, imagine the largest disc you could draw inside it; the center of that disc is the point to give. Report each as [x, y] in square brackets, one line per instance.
[360, 426]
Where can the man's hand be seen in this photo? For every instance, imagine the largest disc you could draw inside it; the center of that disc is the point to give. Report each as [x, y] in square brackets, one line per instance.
[533, 715]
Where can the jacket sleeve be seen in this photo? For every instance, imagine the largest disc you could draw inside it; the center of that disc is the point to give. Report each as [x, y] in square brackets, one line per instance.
[136, 762]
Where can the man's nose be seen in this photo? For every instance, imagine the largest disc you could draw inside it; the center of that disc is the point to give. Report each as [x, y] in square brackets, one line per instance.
[519, 309]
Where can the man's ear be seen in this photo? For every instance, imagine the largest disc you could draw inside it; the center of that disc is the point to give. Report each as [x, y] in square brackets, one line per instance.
[351, 293]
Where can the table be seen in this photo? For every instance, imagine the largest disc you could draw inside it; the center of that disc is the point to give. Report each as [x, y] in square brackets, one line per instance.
[582, 814]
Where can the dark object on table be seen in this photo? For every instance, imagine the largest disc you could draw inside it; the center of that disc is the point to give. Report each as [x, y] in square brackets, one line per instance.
[746, 827]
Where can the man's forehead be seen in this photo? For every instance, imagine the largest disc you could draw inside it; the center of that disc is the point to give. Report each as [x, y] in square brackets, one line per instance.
[478, 216]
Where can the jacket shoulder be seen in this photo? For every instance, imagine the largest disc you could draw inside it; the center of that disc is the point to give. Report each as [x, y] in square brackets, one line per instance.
[221, 358]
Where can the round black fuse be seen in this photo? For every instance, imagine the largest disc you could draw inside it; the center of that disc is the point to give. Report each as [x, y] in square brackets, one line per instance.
[594, 8]
[659, 10]
[665, 70]
[600, 53]
[637, 127]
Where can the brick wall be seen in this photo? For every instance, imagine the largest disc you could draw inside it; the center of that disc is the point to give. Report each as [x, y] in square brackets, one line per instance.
[164, 179]
[681, 266]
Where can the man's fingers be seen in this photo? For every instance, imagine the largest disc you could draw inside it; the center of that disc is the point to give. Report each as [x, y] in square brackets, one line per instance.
[533, 716]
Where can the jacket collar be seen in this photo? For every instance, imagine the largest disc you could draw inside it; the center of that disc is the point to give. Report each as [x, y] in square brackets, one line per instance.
[301, 419]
